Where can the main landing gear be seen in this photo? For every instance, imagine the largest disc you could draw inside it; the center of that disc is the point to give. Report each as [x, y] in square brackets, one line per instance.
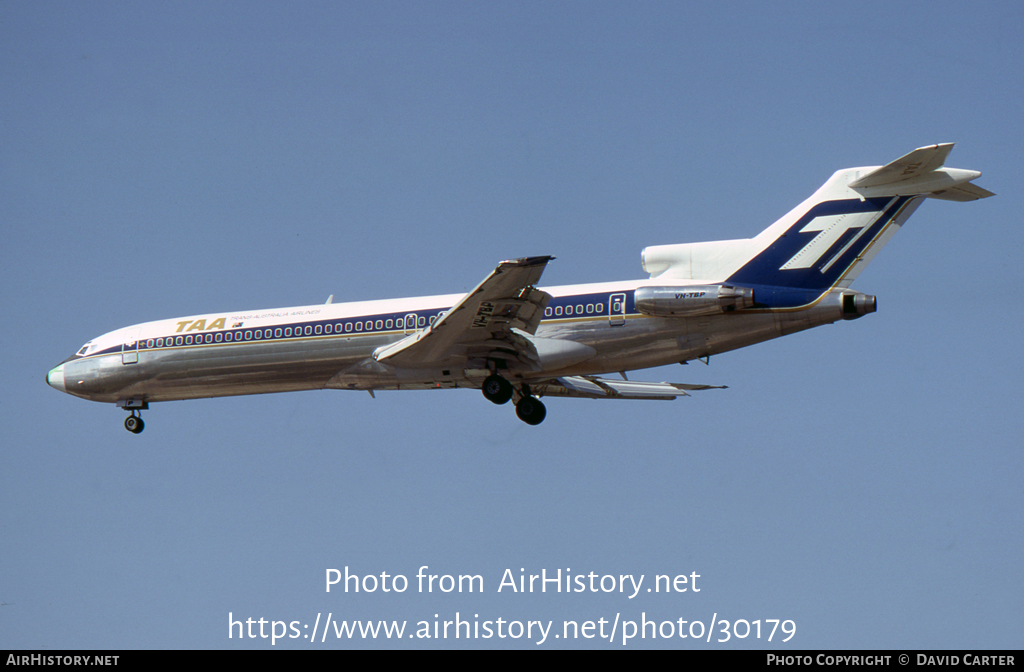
[499, 391]
[531, 411]
[496, 389]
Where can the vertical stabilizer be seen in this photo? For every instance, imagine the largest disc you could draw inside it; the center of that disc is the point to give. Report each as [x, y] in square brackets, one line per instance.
[827, 240]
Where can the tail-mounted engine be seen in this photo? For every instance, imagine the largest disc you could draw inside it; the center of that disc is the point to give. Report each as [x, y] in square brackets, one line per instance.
[692, 300]
[856, 305]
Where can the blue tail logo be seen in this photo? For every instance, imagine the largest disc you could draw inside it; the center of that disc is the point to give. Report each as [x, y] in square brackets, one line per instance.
[821, 246]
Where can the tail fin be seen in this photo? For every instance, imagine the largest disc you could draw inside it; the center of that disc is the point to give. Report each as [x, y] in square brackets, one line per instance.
[827, 240]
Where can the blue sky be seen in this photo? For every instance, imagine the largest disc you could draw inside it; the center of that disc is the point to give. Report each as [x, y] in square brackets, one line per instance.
[863, 480]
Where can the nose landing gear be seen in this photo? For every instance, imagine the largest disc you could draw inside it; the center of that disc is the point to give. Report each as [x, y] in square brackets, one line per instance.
[133, 423]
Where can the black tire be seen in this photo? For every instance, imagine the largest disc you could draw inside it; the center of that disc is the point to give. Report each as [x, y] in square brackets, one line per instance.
[531, 411]
[496, 389]
[134, 424]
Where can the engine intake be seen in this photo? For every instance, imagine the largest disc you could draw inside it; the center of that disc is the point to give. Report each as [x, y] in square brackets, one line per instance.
[692, 300]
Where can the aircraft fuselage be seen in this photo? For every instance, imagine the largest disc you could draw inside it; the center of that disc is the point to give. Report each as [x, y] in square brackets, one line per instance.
[322, 346]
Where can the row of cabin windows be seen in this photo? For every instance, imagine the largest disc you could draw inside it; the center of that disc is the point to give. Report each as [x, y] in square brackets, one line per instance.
[289, 332]
[340, 327]
[578, 309]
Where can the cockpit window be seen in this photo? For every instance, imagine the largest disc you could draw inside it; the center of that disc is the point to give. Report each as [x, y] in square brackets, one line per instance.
[82, 351]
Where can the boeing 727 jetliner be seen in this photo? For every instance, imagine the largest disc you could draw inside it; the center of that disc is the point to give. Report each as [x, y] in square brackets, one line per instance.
[516, 341]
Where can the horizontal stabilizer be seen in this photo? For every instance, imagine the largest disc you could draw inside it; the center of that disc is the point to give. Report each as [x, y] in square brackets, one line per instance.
[919, 162]
[602, 388]
[921, 173]
[962, 192]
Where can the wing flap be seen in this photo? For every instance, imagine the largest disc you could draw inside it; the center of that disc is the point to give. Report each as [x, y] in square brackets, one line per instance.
[592, 387]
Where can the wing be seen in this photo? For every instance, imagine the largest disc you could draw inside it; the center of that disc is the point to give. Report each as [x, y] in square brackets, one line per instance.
[601, 388]
[480, 325]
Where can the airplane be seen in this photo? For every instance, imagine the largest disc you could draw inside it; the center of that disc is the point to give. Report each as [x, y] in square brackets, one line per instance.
[517, 342]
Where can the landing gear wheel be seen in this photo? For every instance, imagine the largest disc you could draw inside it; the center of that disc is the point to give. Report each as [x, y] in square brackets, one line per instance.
[496, 389]
[531, 411]
[134, 424]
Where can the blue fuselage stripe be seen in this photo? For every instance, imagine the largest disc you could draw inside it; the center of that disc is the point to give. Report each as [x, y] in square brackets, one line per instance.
[575, 307]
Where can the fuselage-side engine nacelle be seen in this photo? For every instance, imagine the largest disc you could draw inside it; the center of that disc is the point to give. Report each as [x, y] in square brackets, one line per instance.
[692, 300]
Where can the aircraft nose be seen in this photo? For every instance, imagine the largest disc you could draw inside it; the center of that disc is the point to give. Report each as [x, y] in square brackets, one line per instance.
[55, 378]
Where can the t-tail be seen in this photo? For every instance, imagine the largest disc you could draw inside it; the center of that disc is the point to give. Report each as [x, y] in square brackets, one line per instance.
[825, 242]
